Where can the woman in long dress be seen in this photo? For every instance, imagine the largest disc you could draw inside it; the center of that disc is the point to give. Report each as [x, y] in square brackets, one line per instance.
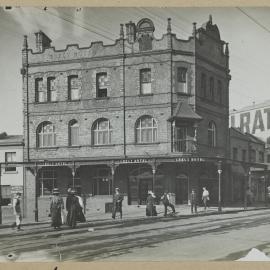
[57, 204]
[150, 204]
[74, 208]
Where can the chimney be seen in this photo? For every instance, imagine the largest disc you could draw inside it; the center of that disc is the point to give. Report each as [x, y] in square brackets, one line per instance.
[131, 32]
[42, 41]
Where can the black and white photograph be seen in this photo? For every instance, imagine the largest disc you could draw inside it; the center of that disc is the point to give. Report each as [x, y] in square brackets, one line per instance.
[134, 134]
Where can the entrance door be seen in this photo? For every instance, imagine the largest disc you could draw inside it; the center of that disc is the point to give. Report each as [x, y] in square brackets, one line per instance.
[144, 186]
[181, 189]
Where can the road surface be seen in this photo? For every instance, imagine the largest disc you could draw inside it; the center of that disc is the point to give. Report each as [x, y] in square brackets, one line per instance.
[214, 237]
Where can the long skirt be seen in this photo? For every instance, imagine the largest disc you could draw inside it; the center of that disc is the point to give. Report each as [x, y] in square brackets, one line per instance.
[151, 210]
[56, 217]
[73, 213]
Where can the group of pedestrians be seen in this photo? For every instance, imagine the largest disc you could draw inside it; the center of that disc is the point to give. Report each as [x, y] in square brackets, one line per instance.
[74, 208]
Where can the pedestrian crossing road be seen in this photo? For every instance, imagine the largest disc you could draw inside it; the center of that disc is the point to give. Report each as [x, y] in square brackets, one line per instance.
[215, 237]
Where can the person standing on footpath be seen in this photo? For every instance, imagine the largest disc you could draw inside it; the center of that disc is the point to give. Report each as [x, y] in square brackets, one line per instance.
[73, 207]
[150, 204]
[193, 201]
[68, 204]
[57, 204]
[205, 197]
[80, 216]
[117, 203]
[17, 211]
[166, 199]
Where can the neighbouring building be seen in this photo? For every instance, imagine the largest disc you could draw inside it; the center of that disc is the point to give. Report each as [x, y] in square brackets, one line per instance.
[140, 114]
[246, 149]
[11, 150]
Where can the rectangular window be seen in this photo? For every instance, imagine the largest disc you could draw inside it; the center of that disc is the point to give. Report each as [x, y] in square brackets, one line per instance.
[211, 89]
[73, 88]
[102, 183]
[180, 139]
[235, 153]
[40, 93]
[244, 155]
[261, 157]
[268, 158]
[145, 81]
[182, 80]
[252, 155]
[47, 182]
[102, 85]
[52, 93]
[10, 157]
[74, 135]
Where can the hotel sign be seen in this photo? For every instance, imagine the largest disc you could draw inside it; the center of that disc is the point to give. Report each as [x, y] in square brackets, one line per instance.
[137, 160]
[190, 159]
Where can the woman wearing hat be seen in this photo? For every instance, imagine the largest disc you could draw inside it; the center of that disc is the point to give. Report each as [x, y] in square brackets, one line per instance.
[57, 204]
[73, 207]
[150, 204]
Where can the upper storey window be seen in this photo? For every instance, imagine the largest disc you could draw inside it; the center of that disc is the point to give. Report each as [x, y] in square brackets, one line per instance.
[211, 89]
[46, 135]
[102, 85]
[145, 43]
[40, 91]
[73, 88]
[51, 87]
[212, 134]
[219, 92]
[203, 85]
[182, 80]
[145, 81]
[146, 130]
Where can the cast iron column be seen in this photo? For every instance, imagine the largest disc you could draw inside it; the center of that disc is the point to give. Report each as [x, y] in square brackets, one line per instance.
[219, 186]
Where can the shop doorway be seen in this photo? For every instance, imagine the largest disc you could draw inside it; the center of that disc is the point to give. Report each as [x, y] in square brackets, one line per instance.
[181, 189]
[144, 186]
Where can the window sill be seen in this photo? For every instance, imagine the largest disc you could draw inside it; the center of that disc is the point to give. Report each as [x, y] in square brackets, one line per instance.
[11, 172]
[73, 100]
[47, 148]
[146, 95]
[102, 98]
[103, 145]
[45, 102]
[150, 143]
[184, 94]
[74, 146]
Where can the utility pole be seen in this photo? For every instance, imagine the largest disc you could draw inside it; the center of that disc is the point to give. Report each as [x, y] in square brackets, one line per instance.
[219, 185]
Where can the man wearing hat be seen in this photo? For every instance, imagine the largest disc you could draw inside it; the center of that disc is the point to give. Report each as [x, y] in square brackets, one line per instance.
[117, 203]
[17, 211]
[57, 204]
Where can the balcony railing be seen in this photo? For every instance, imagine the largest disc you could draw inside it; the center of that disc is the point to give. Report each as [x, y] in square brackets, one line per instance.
[185, 146]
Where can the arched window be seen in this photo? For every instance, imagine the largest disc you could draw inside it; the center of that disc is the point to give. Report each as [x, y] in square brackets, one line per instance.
[203, 85]
[102, 132]
[146, 130]
[73, 133]
[46, 135]
[211, 89]
[212, 134]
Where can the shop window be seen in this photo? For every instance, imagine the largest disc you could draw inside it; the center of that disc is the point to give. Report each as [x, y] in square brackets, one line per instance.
[102, 85]
[145, 81]
[47, 182]
[10, 157]
[102, 132]
[212, 134]
[203, 84]
[46, 135]
[211, 88]
[51, 88]
[146, 130]
[73, 133]
[182, 80]
[40, 91]
[235, 153]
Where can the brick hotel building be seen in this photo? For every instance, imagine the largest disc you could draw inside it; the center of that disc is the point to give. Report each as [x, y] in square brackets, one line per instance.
[140, 114]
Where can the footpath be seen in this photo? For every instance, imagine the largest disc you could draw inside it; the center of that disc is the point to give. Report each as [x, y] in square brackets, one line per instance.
[134, 212]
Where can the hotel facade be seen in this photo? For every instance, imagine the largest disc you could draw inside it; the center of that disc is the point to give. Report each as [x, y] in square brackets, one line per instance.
[140, 114]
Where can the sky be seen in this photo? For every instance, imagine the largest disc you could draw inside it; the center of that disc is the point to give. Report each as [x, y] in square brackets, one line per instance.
[247, 30]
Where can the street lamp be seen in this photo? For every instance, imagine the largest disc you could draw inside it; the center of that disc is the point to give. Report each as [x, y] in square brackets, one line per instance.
[219, 186]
